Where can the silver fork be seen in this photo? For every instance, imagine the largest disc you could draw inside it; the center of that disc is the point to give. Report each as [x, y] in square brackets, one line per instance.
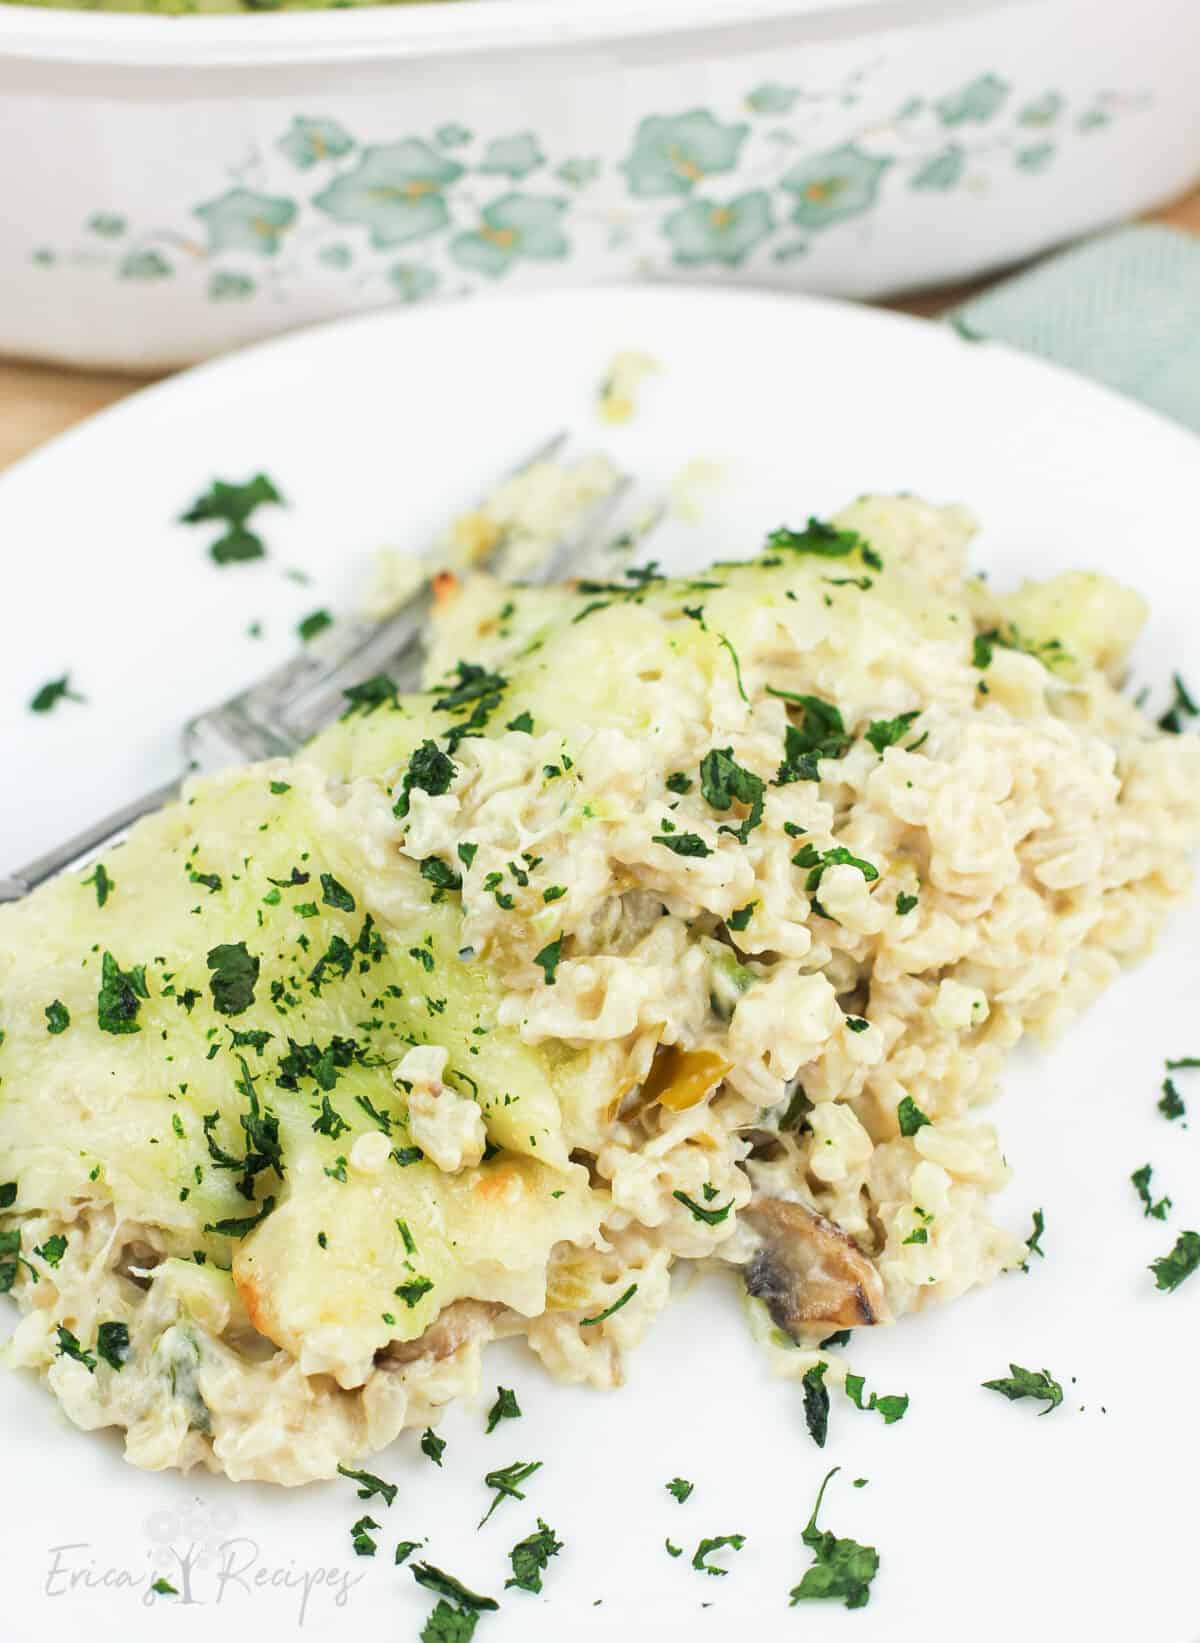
[278, 713]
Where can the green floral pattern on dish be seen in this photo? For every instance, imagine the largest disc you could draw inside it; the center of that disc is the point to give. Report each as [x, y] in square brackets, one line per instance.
[843, 182]
[516, 226]
[512, 157]
[307, 142]
[395, 191]
[700, 188]
[705, 231]
[241, 220]
[671, 155]
[975, 103]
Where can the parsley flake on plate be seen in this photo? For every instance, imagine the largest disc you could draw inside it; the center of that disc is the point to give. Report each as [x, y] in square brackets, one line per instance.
[232, 504]
[816, 1403]
[48, 696]
[711, 1544]
[1028, 1383]
[369, 1484]
[449, 1625]
[1141, 1184]
[842, 1568]
[505, 1480]
[1171, 1270]
[1171, 1103]
[680, 1488]
[505, 1407]
[432, 1446]
[892, 1406]
[69, 1347]
[315, 622]
[362, 1542]
[437, 1580]
[531, 1556]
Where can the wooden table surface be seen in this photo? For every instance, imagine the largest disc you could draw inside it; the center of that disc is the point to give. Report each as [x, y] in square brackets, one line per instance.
[39, 401]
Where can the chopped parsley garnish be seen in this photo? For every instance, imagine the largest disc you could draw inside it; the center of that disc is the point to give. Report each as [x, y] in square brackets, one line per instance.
[726, 644]
[369, 1484]
[714, 1543]
[374, 692]
[722, 780]
[162, 1587]
[8, 1194]
[121, 993]
[1171, 1270]
[1183, 1061]
[242, 1226]
[1141, 1183]
[435, 871]
[857, 1024]
[53, 1250]
[680, 1488]
[818, 537]
[436, 1580]
[817, 861]
[840, 1337]
[529, 1557]
[449, 1625]
[1034, 1241]
[112, 1344]
[609, 1310]
[905, 903]
[104, 885]
[738, 921]
[506, 1481]
[841, 1567]
[433, 1446]
[233, 979]
[404, 1550]
[280, 787]
[679, 783]
[884, 733]
[53, 692]
[548, 959]
[816, 1403]
[466, 853]
[211, 881]
[411, 1292]
[336, 895]
[69, 1347]
[58, 1017]
[429, 771]
[315, 622]
[505, 1407]
[1171, 1102]
[892, 1406]
[361, 1540]
[1182, 706]
[683, 844]
[1028, 1383]
[232, 504]
[523, 721]
[710, 1217]
[910, 1117]
[672, 1549]
[554, 892]
[821, 734]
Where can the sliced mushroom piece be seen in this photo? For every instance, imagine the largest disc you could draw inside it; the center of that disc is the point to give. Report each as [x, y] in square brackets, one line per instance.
[452, 1328]
[808, 1271]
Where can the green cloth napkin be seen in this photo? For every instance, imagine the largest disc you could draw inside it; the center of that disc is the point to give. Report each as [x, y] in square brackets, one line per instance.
[1123, 308]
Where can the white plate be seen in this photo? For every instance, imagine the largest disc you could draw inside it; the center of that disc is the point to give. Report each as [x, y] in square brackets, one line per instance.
[990, 1522]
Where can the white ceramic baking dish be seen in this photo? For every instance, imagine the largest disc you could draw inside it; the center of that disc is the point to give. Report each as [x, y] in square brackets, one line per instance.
[170, 187]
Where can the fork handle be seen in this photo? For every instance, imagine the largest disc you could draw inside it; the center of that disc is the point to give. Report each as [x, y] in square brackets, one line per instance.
[79, 851]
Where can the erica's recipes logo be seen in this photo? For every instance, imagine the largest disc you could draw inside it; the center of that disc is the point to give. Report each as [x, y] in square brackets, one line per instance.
[195, 1555]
